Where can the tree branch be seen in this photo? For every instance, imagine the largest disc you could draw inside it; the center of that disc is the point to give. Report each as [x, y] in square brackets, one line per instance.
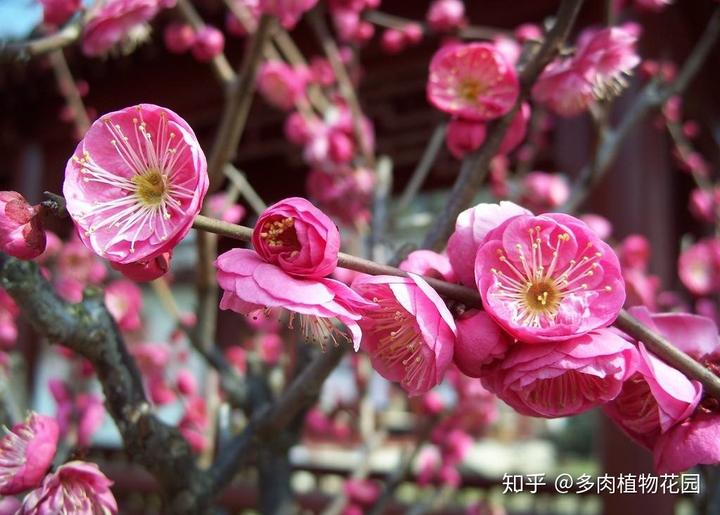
[25, 50]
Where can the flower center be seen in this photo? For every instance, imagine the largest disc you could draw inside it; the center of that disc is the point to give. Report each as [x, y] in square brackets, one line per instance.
[543, 296]
[280, 233]
[151, 187]
[534, 291]
[470, 89]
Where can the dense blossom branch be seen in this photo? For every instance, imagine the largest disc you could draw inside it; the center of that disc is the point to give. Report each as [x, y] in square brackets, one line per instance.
[475, 167]
[471, 298]
[653, 96]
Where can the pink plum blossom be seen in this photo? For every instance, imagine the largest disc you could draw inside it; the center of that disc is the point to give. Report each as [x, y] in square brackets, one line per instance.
[153, 360]
[344, 194]
[471, 227]
[9, 505]
[179, 37]
[186, 382]
[548, 277]
[209, 42]
[249, 283]
[704, 204]
[21, 232]
[280, 84]
[143, 271]
[606, 57]
[124, 301]
[699, 267]
[218, 207]
[393, 41]
[445, 15]
[9, 312]
[562, 378]
[77, 262]
[634, 252]
[135, 183]
[410, 335]
[299, 129]
[544, 191]
[288, 12]
[299, 238]
[26, 453]
[599, 224]
[57, 12]
[563, 88]
[90, 415]
[692, 442]
[473, 81]
[429, 264]
[361, 491]
[464, 136]
[75, 487]
[112, 21]
[657, 396]
[480, 341]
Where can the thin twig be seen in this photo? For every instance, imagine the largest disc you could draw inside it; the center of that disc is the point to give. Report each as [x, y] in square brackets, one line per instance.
[69, 90]
[245, 188]
[237, 106]
[24, 50]
[423, 168]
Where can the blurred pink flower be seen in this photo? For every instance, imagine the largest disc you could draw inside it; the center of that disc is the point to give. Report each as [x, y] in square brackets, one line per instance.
[299, 238]
[179, 37]
[218, 207]
[21, 232]
[280, 84]
[471, 227]
[26, 453]
[299, 129]
[607, 56]
[652, 5]
[75, 487]
[57, 12]
[563, 88]
[599, 224]
[410, 334]
[361, 491]
[237, 356]
[473, 81]
[392, 41]
[634, 252]
[548, 277]
[464, 136]
[135, 183]
[445, 15]
[90, 416]
[544, 191]
[562, 378]
[9, 312]
[9, 505]
[705, 204]
[209, 42]
[249, 284]
[699, 267]
[344, 194]
[186, 382]
[124, 301]
[143, 271]
[287, 11]
[429, 264]
[110, 22]
[696, 441]
[271, 348]
[152, 360]
[77, 262]
[480, 341]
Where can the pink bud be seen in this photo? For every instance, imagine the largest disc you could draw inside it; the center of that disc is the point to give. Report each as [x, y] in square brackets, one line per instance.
[340, 147]
[21, 233]
[635, 252]
[528, 31]
[393, 41]
[464, 136]
[299, 238]
[143, 271]
[57, 12]
[271, 347]
[209, 42]
[186, 382]
[179, 37]
[413, 33]
[445, 15]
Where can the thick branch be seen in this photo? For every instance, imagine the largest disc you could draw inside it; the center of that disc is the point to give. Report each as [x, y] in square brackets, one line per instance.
[88, 329]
